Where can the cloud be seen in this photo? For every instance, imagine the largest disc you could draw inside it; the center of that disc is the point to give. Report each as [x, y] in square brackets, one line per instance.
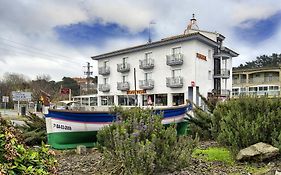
[58, 37]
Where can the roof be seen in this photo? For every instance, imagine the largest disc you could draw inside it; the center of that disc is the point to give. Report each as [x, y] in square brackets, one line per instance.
[165, 41]
[238, 70]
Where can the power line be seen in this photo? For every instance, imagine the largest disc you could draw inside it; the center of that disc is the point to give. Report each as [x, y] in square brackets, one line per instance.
[30, 47]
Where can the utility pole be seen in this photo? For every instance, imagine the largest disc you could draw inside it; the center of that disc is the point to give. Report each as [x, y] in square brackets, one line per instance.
[88, 73]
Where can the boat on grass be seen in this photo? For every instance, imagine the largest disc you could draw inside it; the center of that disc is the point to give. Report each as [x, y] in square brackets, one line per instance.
[69, 128]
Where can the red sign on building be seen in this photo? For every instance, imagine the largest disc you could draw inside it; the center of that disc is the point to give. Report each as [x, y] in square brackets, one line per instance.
[65, 91]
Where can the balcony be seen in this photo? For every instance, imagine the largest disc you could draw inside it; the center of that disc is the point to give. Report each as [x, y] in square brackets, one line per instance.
[174, 82]
[221, 92]
[174, 59]
[146, 84]
[104, 70]
[123, 67]
[147, 63]
[104, 87]
[261, 80]
[222, 73]
[123, 86]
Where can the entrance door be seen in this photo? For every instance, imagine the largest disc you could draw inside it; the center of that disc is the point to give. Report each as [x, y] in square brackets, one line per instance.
[190, 93]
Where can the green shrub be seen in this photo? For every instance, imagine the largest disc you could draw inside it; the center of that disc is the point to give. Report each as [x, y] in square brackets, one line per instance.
[242, 122]
[200, 123]
[137, 143]
[34, 131]
[16, 158]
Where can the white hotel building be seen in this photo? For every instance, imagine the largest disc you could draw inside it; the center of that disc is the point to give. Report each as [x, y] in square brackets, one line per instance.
[167, 72]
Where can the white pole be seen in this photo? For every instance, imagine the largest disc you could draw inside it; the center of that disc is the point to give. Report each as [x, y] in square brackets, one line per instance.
[18, 107]
[69, 95]
[5, 108]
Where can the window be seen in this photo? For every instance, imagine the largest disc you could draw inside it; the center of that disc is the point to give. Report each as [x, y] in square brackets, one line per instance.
[126, 100]
[176, 50]
[209, 54]
[147, 75]
[178, 99]
[124, 78]
[148, 100]
[124, 60]
[85, 101]
[105, 80]
[209, 75]
[107, 100]
[148, 56]
[252, 89]
[176, 73]
[161, 100]
[105, 63]
[235, 91]
[93, 101]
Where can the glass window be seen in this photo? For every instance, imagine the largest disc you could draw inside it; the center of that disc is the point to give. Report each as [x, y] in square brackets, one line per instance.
[148, 55]
[107, 100]
[161, 100]
[176, 50]
[126, 100]
[124, 60]
[178, 99]
[176, 72]
[93, 101]
[105, 64]
[147, 75]
[85, 101]
[124, 78]
[209, 54]
[261, 88]
[209, 75]
[148, 100]
[105, 80]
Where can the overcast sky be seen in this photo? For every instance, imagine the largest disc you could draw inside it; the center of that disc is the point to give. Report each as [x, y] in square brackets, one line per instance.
[58, 37]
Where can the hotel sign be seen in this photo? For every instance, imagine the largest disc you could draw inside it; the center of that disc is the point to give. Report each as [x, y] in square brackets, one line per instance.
[201, 56]
[136, 92]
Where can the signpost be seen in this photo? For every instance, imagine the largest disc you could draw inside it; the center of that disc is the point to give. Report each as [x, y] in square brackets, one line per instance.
[21, 96]
[5, 100]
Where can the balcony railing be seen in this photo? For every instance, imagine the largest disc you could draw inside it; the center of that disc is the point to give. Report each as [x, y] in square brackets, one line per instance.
[221, 93]
[147, 63]
[222, 73]
[104, 87]
[104, 70]
[174, 82]
[123, 86]
[263, 80]
[146, 84]
[174, 59]
[123, 67]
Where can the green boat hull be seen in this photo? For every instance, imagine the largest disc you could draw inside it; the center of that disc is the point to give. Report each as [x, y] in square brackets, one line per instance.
[70, 140]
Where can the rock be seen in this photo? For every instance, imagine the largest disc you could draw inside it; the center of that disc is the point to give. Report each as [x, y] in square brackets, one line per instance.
[259, 152]
[81, 149]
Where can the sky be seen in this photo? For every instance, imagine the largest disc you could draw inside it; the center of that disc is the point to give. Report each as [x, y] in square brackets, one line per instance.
[58, 37]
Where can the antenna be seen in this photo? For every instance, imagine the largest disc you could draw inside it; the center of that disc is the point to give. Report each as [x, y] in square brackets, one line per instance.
[88, 73]
[149, 31]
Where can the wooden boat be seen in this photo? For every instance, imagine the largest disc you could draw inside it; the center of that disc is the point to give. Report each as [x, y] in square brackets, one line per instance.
[68, 128]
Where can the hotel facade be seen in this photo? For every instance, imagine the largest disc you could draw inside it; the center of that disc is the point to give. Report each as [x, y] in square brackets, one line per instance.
[257, 82]
[166, 72]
